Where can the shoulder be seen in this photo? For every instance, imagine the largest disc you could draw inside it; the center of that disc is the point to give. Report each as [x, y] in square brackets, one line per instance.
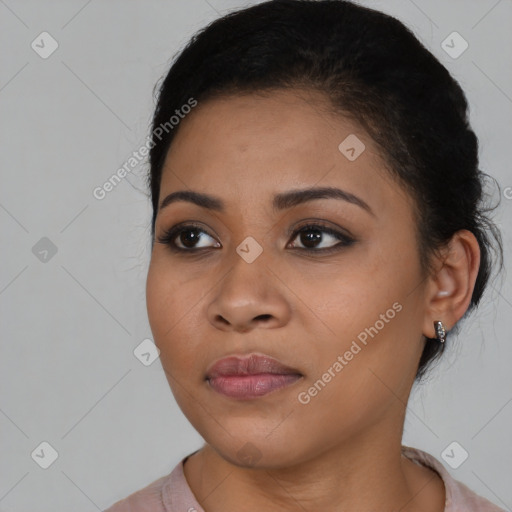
[459, 498]
[168, 493]
[147, 499]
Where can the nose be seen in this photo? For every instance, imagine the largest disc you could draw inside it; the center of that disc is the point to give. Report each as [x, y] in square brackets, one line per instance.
[250, 296]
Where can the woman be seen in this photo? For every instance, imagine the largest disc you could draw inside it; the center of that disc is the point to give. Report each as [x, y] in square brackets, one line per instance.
[317, 234]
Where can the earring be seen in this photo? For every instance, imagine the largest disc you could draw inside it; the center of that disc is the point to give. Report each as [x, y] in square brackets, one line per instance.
[440, 331]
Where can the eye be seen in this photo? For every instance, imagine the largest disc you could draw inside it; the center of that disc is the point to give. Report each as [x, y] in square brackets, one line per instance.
[193, 238]
[312, 235]
[185, 237]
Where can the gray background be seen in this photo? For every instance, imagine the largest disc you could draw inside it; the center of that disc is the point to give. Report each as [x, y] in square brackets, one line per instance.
[70, 324]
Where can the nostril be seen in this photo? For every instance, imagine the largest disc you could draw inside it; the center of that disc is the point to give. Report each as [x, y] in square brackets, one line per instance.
[220, 318]
[263, 317]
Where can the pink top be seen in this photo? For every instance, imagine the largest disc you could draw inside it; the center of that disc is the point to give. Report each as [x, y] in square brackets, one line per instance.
[171, 493]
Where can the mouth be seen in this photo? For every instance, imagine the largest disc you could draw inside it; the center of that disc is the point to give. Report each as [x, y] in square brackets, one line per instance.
[249, 377]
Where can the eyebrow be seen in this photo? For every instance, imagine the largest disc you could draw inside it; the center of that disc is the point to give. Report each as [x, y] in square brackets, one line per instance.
[282, 201]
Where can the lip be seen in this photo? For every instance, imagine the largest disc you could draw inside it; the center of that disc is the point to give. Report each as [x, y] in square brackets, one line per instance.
[250, 376]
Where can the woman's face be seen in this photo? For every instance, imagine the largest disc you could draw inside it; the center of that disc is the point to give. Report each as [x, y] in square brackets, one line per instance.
[346, 316]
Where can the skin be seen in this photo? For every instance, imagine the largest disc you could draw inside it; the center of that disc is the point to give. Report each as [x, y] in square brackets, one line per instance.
[340, 451]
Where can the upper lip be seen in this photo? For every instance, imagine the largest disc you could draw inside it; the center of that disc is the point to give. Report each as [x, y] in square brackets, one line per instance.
[252, 364]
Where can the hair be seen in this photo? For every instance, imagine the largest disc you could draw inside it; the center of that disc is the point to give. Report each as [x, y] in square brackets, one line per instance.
[369, 67]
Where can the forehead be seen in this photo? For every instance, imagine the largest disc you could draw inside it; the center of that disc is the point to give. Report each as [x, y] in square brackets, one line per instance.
[252, 146]
[274, 123]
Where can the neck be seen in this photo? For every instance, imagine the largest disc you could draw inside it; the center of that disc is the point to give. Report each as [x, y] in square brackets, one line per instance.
[368, 473]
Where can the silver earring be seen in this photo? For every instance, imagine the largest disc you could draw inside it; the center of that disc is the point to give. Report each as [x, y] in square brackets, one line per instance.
[440, 331]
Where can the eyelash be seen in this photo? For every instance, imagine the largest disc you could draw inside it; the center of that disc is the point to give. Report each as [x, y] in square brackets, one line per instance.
[167, 238]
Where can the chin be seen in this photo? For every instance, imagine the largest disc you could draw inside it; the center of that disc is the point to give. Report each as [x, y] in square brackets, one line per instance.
[252, 455]
[253, 448]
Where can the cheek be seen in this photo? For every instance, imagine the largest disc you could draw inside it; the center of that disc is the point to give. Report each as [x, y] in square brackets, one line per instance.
[171, 318]
[159, 300]
[366, 315]
[369, 382]
[171, 309]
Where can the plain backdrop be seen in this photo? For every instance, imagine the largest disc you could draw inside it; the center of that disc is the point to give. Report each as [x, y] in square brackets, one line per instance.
[72, 280]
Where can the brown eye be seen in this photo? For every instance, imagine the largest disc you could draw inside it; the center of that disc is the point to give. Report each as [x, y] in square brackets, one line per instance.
[186, 238]
[312, 236]
[192, 238]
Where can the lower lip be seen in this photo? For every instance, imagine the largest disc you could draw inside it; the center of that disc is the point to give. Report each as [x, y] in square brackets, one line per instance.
[251, 386]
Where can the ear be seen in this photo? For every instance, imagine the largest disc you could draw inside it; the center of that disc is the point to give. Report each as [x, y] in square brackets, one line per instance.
[451, 284]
